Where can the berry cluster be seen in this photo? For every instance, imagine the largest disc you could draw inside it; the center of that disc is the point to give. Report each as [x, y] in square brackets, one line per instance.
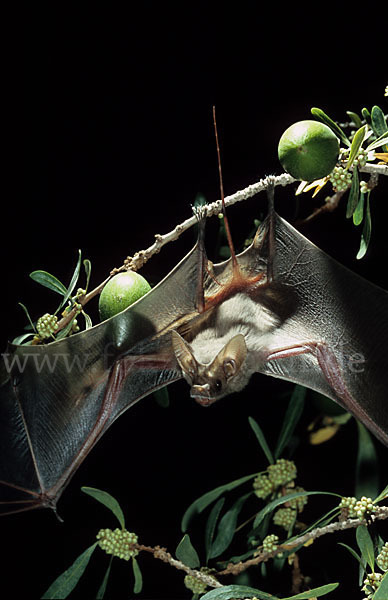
[285, 517]
[46, 326]
[361, 158]
[356, 509]
[298, 503]
[118, 542]
[194, 584]
[262, 486]
[371, 583]
[270, 543]
[382, 559]
[340, 179]
[282, 472]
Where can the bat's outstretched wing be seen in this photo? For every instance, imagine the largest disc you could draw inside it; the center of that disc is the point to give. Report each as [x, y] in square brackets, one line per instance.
[57, 400]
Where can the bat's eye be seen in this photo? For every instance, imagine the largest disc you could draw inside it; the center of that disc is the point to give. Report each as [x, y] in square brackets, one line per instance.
[218, 385]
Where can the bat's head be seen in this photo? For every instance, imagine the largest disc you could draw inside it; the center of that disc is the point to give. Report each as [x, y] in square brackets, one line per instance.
[210, 382]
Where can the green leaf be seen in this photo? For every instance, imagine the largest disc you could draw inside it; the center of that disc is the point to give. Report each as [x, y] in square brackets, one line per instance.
[227, 592]
[314, 593]
[49, 281]
[28, 316]
[382, 495]
[324, 118]
[378, 123]
[356, 145]
[354, 117]
[291, 418]
[102, 588]
[108, 501]
[18, 341]
[88, 269]
[366, 230]
[186, 553]
[88, 320]
[138, 577]
[380, 141]
[365, 544]
[73, 280]
[354, 194]
[275, 503]
[261, 439]
[203, 501]
[358, 214]
[382, 592]
[67, 581]
[227, 528]
[367, 475]
[366, 115]
[211, 526]
[354, 554]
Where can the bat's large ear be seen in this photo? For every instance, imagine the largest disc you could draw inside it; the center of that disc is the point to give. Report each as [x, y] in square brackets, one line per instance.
[183, 354]
[232, 355]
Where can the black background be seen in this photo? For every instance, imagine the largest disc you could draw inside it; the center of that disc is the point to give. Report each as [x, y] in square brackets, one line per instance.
[109, 139]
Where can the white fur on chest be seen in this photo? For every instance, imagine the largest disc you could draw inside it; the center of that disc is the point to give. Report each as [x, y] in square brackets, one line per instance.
[239, 314]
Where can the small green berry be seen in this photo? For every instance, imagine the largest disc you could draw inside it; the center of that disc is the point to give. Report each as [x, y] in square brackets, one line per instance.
[372, 582]
[262, 486]
[46, 325]
[340, 178]
[382, 559]
[270, 543]
[282, 472]
[118, 542]
[194, 584]
[285, 517]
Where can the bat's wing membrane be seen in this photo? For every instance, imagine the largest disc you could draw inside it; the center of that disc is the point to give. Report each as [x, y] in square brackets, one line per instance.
[57, 400]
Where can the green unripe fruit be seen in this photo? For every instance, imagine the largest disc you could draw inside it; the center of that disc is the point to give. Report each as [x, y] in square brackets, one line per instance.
[308, 150]
[120, 292]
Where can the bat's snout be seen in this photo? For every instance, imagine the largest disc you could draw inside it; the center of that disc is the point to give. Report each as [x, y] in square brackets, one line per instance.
[200, 393]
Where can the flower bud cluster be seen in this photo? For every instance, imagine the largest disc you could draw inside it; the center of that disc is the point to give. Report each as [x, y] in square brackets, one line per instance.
[281, 473]
[340, 179]
[285, 517]
[46, 325]
[364, 188]
[194, 584]
[361, 158]
[356, 509]
[118, 542]
[371, 583]
[270, 543]
[382, 559]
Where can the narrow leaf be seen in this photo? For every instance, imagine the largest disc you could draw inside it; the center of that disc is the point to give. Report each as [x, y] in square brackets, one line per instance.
[261, 439]
[227, 528]
[354, 554]
[102, 588]
[67, 581]
[366, 230]
[291, 418]
[186, 553]
[356, 145]
[354, 194]
[382, 592]
[314, 593]
[138, 577]
[73, 280]
[382, 495]
[354, 117]
[324, 118]
[380, 141]
[275, 503]
[108, 501]
[365, 544]
[203, 501]
[21, 338]
[228, 592]
[211, 526]
[378, 122]
[27, 315]
[366, 115]
[49, 281]
[88, 269]
[358, 214]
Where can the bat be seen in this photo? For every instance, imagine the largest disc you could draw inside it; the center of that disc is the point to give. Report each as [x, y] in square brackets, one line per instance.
[282, 308]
